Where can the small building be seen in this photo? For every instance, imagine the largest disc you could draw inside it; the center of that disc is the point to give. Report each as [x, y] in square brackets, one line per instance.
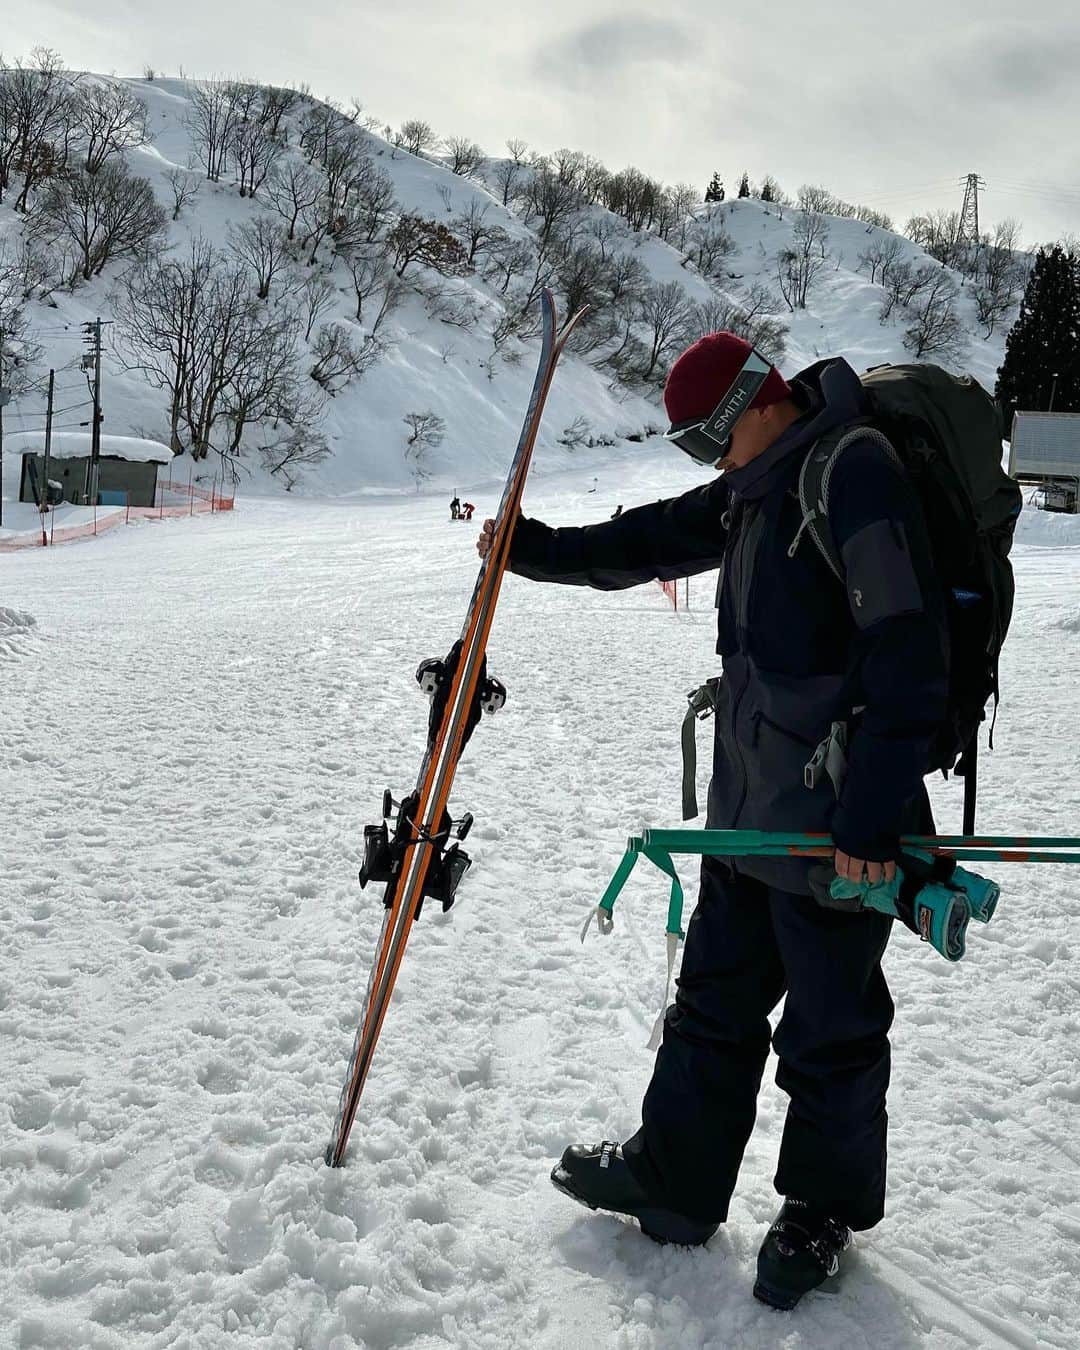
[1045, 449]
[127, 467]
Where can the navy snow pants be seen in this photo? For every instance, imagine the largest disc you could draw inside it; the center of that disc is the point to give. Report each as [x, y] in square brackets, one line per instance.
[746, 945]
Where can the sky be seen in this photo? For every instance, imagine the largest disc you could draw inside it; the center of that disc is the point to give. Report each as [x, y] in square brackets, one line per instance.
[883, 105]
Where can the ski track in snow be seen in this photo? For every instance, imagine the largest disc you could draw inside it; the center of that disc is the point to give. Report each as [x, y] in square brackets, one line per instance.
[195, 732]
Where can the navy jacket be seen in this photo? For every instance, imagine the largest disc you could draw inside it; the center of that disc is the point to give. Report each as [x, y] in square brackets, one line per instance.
[799, 650]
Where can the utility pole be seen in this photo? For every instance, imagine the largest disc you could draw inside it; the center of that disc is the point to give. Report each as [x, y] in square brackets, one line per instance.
[43, 504]
[92, 361]
[5, 396]
[968, 229]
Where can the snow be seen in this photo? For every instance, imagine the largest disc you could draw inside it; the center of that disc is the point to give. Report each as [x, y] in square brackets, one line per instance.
[77, 445]
[22, 520]
[186, 949]
[436, 367]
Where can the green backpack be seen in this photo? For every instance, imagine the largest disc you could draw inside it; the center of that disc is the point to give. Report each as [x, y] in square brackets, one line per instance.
[945, 431]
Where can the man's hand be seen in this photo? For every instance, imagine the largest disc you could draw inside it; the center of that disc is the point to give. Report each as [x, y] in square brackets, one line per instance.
[858, 869]
[487, 535]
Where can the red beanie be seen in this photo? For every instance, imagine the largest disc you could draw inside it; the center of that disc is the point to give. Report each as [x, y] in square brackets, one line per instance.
[704, 373]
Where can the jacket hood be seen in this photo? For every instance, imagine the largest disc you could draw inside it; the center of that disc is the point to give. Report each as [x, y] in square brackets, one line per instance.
[834, 396]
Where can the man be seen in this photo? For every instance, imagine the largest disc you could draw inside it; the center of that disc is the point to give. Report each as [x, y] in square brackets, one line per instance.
[800, 653]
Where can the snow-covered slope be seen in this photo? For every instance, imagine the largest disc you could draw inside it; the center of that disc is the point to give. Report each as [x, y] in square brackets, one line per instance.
[435, 367]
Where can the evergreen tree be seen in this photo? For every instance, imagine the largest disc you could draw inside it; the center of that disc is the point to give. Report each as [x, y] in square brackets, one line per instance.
[769, 188]
[1045, 341]
[744, 186]
[715, 191]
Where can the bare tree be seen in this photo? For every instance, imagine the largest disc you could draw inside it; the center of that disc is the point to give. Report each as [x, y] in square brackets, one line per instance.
[374, 280]
[372, 204]
[191, 326]
[635, 197]
[340, 359]
[798, 268]
[320, 125]
[710, 249]
[683, 199]
[507, 327]
[425, 428]
[550, 203]
[583, 277]
[299, 449]
[426, 433]
[185, 189]
[477, 229]
[664, 311]
[935, 328]
[450, 305]
[99, 218]
[318, 295]
[110, 119]
[28, 268]
[938, 232]
[509, 175]
[416, 137]
[752, 316]
[36, 122]
[210, 124]
[20, 352]
[276, 103]
[348, 167]
[1001, 275]
[465, 156]
[509, 258]
[905, 284]
[254, 152]
[626, 277]
[577, 433]
[881, 257]
[293, 188]
[817, 199]
[263, 247]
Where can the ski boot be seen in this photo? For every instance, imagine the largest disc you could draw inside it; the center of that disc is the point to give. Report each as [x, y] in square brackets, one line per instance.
[597, 1176]
[801, 1250]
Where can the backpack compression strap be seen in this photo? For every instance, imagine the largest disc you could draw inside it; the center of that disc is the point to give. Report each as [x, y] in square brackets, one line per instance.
[817, 470]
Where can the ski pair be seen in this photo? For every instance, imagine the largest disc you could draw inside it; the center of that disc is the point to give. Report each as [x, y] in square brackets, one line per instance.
[414, 863]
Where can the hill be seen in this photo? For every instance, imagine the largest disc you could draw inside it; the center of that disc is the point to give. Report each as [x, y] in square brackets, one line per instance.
[446, 331]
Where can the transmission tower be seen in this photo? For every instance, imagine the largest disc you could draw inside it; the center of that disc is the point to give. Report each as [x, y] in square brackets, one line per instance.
[967, 231]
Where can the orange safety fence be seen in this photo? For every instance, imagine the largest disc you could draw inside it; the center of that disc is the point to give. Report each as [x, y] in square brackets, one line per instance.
[193, 501]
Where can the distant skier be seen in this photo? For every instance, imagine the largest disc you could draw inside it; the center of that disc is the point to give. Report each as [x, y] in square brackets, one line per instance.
[801, 654]
[468, 508]
[617, 512]
[455, 508]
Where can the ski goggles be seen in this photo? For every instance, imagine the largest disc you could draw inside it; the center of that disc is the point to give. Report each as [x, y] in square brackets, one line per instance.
[707, 441]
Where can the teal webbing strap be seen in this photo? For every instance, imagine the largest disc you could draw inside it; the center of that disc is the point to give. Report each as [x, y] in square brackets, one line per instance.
[659, 857]
[675, 902]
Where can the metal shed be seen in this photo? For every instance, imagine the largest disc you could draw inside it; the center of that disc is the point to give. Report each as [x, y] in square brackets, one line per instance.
[127, 467]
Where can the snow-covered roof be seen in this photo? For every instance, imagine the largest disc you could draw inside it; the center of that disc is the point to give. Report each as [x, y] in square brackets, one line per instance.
[76, 445]
[1045, 443]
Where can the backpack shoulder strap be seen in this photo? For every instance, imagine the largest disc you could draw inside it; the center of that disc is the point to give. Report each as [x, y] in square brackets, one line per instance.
[814, 476]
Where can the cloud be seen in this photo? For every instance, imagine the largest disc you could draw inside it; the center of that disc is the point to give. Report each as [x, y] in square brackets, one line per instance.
[1017, 63]
[599, 51]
